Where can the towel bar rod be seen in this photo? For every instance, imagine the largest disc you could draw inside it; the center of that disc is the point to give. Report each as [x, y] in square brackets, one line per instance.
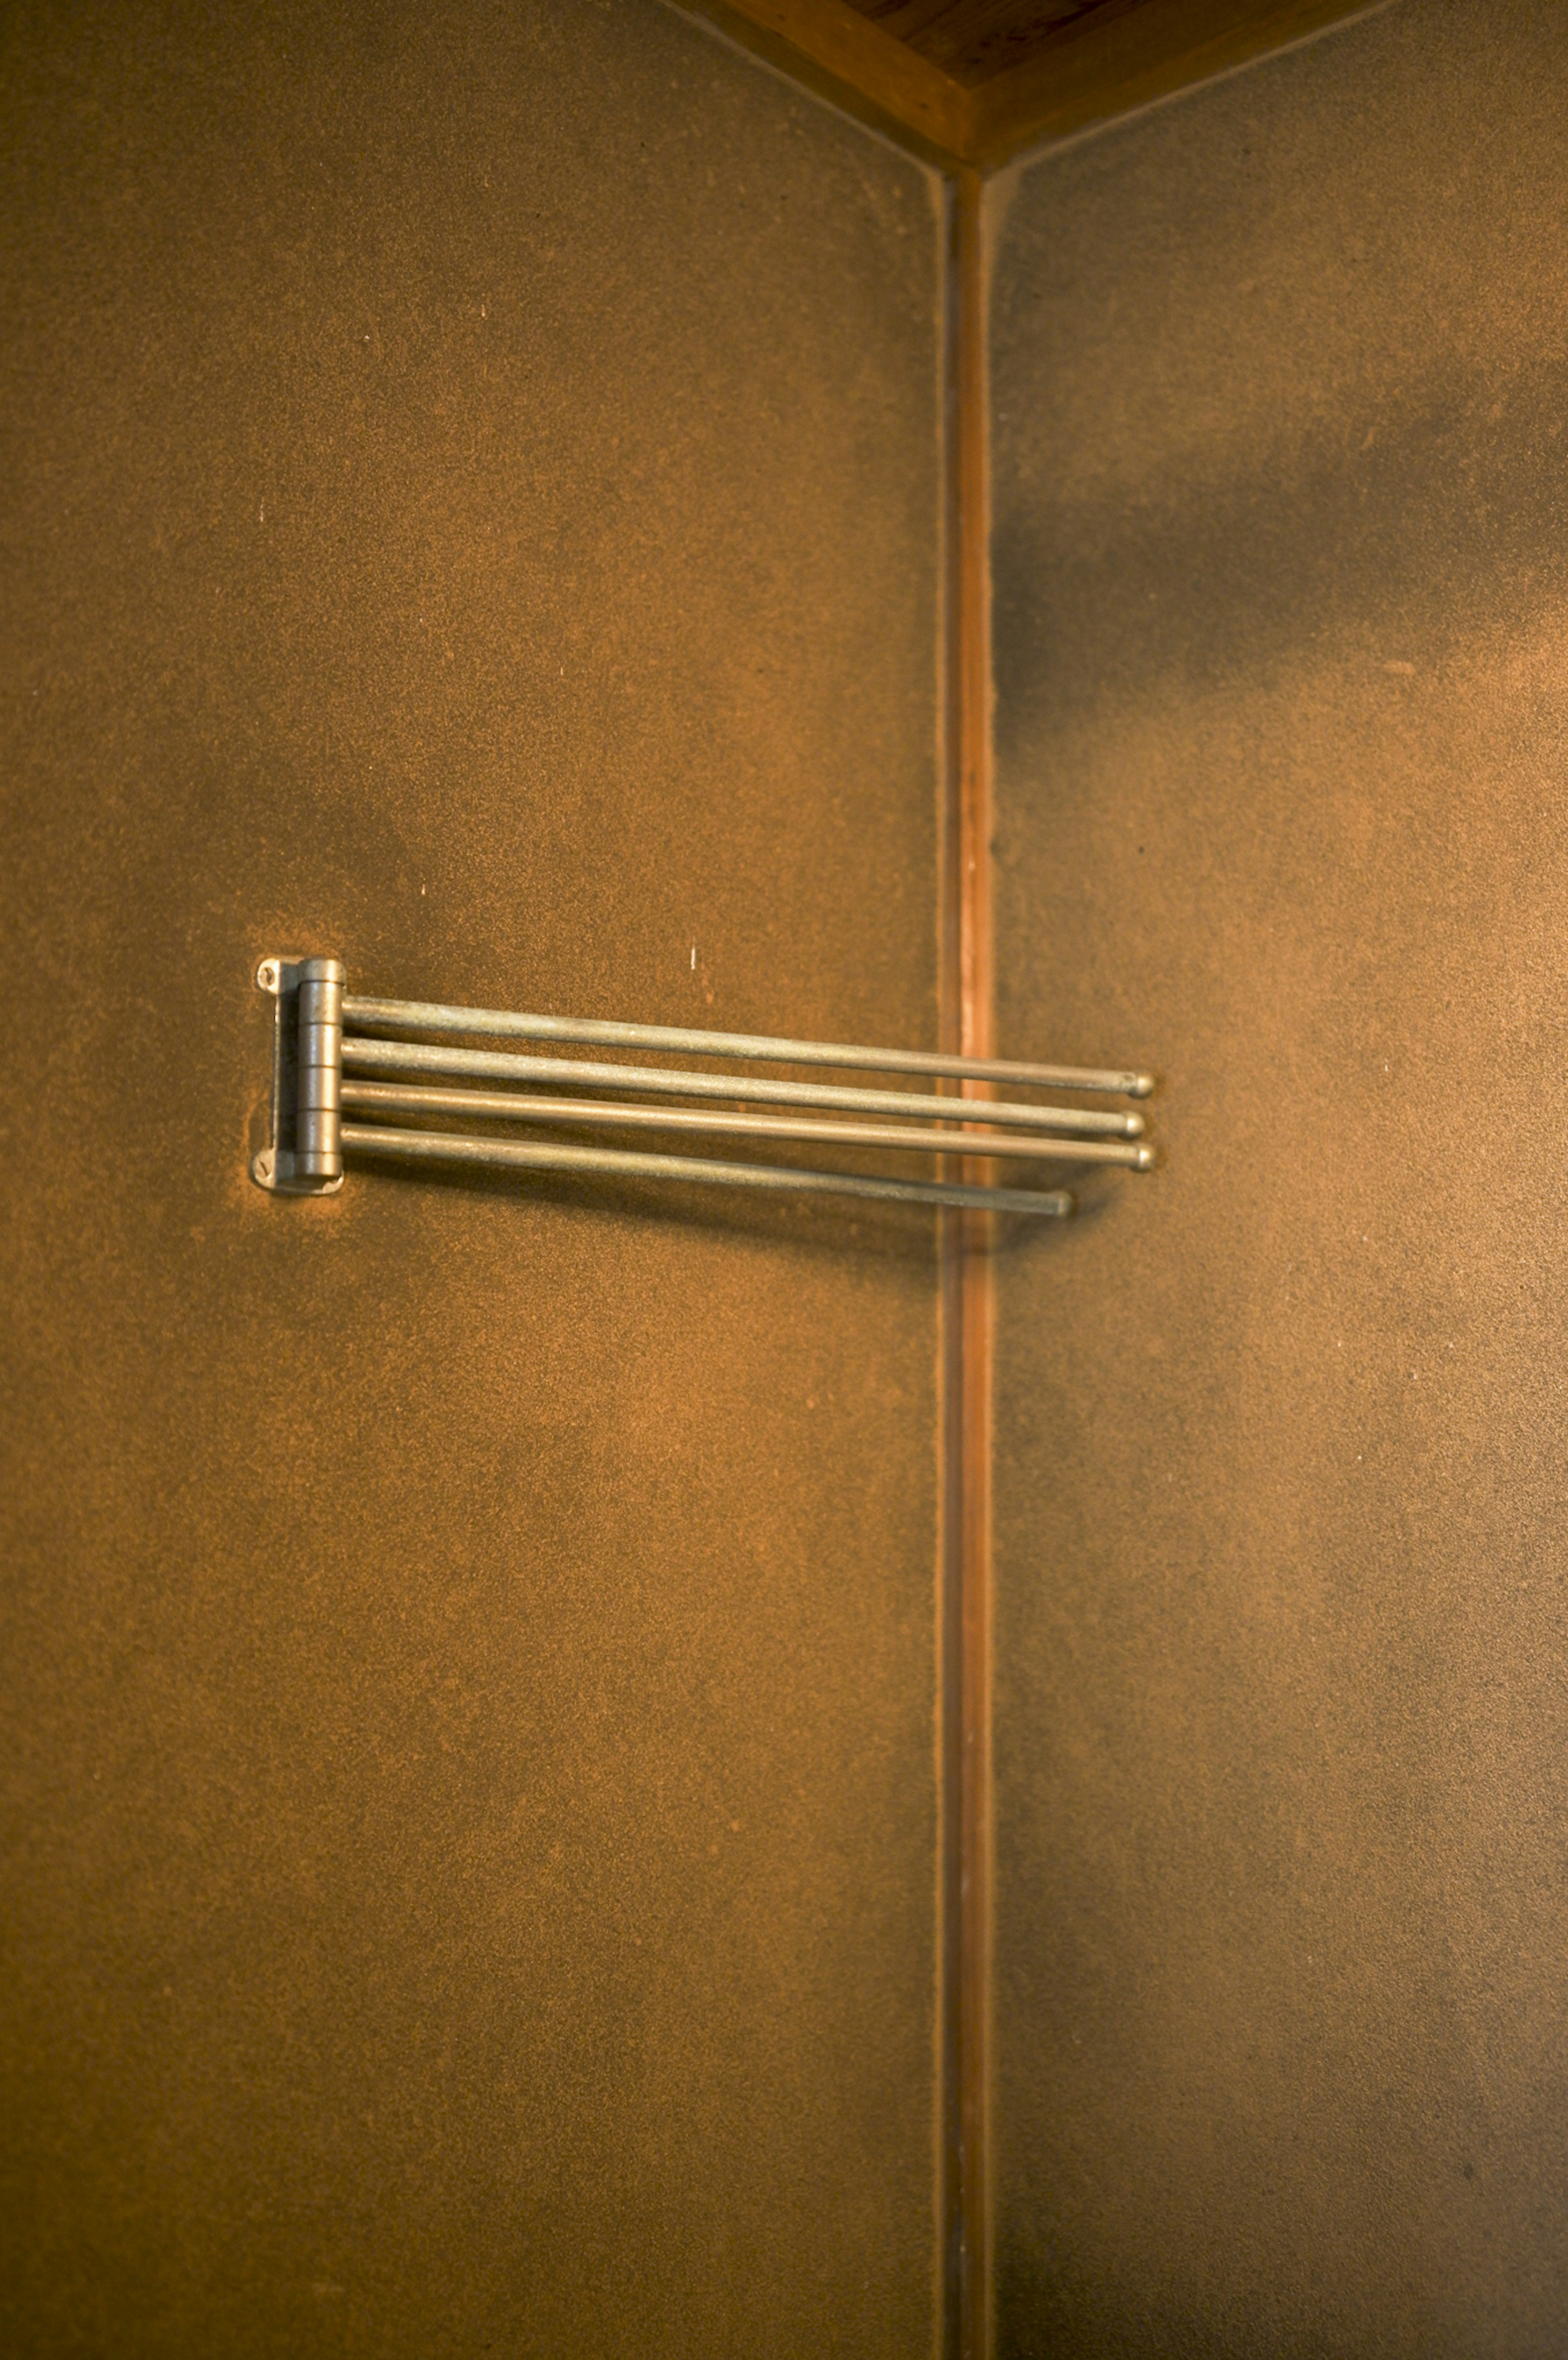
[374, 1098]
[362, 1057]
[428, 1016]
[440, 1147]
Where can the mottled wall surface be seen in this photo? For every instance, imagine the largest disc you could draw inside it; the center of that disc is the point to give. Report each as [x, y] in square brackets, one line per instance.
[1282, 552]
[472, 504]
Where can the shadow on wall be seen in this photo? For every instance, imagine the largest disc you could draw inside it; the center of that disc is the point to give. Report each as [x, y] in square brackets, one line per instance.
[1236, 578]
[1043, 2314]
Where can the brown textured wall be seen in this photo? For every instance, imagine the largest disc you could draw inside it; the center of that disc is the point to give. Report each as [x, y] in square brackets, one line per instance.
[1281, 385]
[472, 504]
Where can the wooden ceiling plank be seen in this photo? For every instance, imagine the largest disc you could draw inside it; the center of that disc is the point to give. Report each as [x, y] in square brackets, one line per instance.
[974, 40]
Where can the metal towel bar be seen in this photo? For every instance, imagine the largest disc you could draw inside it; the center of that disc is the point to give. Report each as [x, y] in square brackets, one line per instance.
[325, 1039]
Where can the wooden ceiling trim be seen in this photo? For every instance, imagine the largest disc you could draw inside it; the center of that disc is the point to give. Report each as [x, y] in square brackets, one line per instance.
[1097, 64]
[1103, 67]
[842, 55]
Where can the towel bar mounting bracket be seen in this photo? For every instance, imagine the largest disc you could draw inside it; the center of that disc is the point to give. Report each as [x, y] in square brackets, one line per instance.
[274, 1167]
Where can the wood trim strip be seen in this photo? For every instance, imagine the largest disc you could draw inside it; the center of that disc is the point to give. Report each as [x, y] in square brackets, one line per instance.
[951, 1020]
[966, 1317]
[950, 974]
[978, 1009]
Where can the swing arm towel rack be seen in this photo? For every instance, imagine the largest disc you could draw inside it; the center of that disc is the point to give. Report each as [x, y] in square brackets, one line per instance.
[357, 1077]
